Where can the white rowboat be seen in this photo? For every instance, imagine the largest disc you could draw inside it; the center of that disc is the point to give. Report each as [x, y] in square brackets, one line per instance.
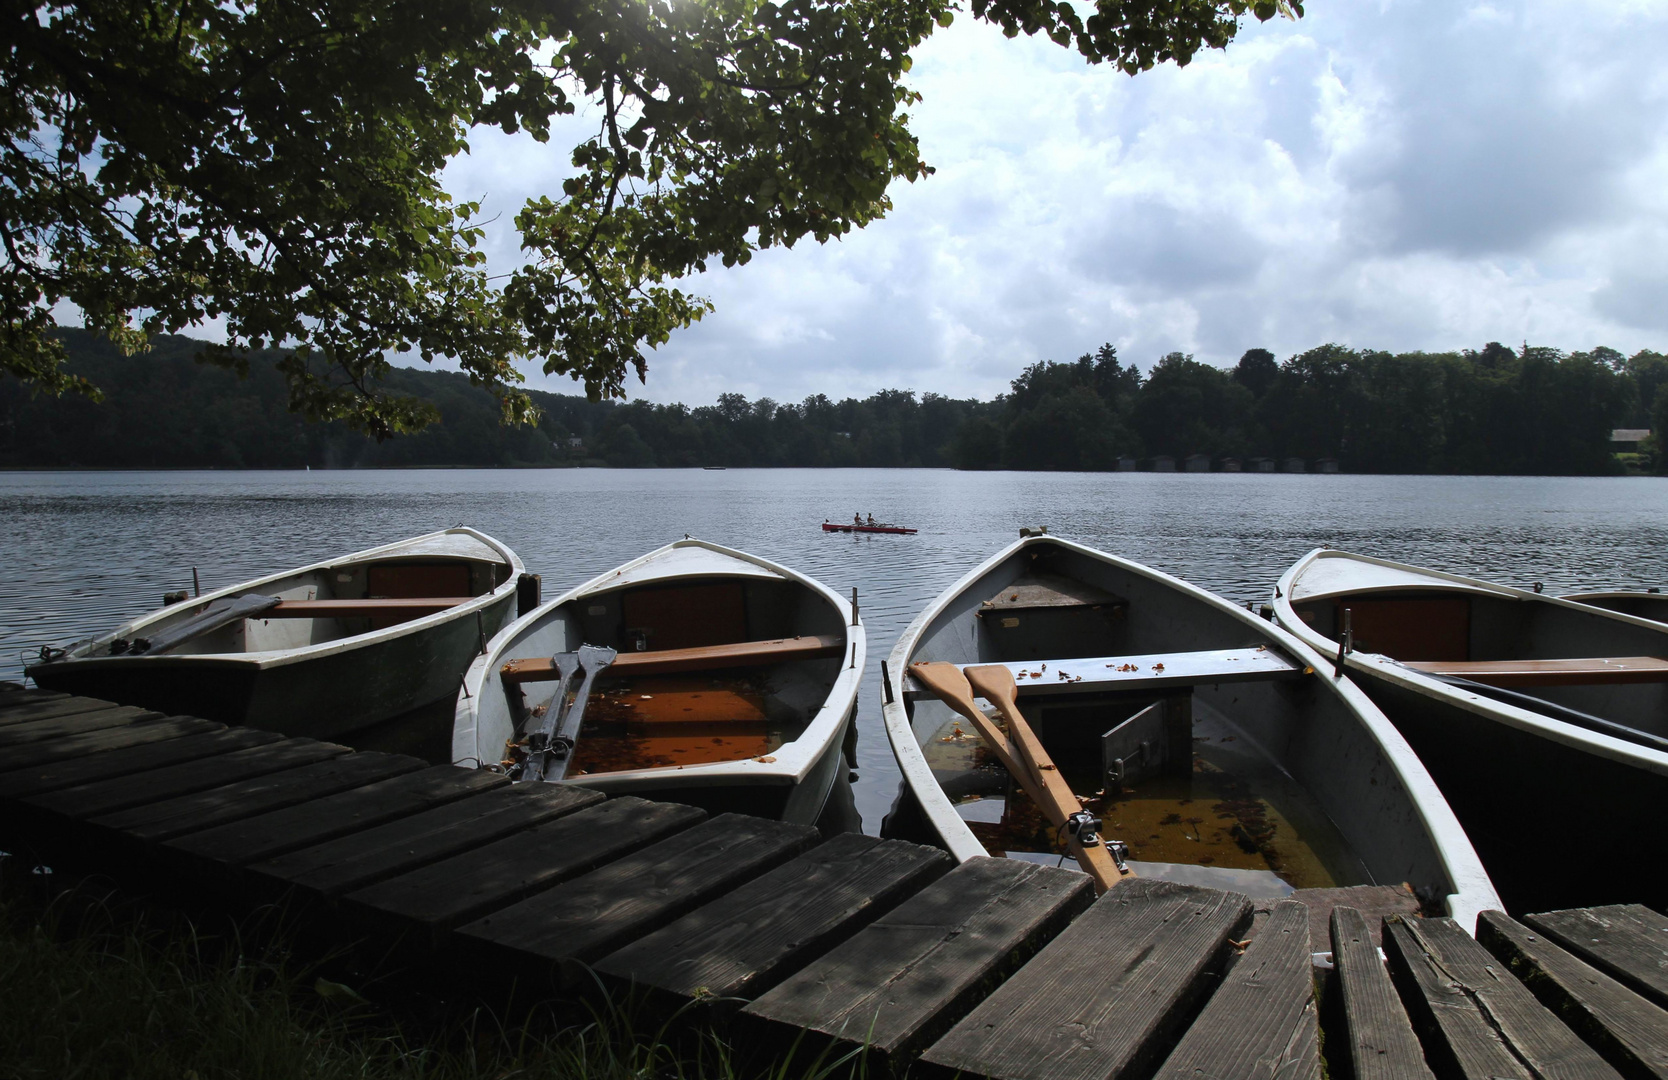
[733, 684]
[1178, 701]
[1544, 721]
[319, 651]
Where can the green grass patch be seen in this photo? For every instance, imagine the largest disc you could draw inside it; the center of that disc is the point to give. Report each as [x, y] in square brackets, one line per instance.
[93, 989]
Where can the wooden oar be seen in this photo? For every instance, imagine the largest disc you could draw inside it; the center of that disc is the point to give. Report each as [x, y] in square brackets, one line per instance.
[951, 686]
[1045, 787]
[995, 683]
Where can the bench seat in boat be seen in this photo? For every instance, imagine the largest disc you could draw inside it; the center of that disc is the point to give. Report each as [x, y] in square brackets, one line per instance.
[699, 658]
[1575, 671]
[1152, 671]
[411, 607]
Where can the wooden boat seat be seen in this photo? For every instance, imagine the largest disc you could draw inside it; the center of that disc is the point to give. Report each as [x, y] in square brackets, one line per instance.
[1161, 672]
[1038, 592]
[411, 607]
[699, 658]
[1576, 671]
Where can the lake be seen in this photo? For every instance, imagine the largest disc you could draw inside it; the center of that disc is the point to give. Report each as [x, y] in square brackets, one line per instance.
[83, 551]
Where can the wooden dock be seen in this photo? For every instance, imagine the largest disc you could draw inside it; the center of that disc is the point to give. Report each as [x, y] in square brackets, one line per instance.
[992, 968]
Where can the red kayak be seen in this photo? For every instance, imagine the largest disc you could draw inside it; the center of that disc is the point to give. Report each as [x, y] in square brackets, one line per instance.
[828, 526]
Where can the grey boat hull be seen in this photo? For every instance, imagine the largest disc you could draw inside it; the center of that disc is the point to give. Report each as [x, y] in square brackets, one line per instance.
[324, 697]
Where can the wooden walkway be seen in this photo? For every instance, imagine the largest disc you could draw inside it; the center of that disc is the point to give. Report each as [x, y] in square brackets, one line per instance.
[995, 967]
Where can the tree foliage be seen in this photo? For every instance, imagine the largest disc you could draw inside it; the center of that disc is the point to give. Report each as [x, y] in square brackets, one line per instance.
[1493, 410]
[277, 167]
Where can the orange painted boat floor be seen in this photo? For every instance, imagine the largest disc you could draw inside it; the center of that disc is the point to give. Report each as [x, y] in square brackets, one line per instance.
[650, 721]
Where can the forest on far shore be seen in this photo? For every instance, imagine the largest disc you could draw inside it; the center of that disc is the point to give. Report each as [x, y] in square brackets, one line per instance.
[1532, 410]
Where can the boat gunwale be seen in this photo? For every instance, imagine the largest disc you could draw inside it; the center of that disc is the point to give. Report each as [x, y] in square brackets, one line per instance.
[1377, 665]
[267, 659]
[794, 760]
[1472, 891]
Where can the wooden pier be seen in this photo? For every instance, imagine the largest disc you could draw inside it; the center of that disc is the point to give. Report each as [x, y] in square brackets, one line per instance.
[991, 968]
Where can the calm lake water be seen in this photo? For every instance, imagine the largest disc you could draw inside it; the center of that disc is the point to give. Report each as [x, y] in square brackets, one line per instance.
[83, 551]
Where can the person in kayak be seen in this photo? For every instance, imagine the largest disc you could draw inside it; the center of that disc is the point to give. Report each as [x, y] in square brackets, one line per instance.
[857, 519]
[871, 519]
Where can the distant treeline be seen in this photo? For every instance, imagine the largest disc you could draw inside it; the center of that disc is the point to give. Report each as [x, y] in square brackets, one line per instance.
[1494, 410]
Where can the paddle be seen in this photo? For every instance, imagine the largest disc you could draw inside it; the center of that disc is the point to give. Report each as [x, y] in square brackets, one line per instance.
[1030, 765]
[951, 686]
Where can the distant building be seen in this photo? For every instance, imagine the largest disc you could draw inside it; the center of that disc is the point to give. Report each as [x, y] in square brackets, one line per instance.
[1126, 464]
[1294, 464]
[1626, 440]
[1262, 464]
[1198, 463]
[1230, 464]
[575, 447]
[1164, 463]
[1327, 465]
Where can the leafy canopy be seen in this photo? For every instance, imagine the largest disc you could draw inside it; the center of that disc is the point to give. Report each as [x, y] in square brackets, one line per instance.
[278, 166]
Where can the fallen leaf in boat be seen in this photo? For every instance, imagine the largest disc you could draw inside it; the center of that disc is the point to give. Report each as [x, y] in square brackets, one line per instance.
[1158, 667]
[646, 697]
[766, 760]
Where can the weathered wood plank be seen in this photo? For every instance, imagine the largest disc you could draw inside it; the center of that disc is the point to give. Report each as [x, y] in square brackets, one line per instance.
[1102, 999]
[1630, 1032]
[159, 785]
[1475, 1019]
[22, 712]
[905, 978]
[1260, 1024]
[18, 694]
[59, 727]
[134, 760]
[461, 889]
[327, 818]
[1378, 1034]
[615, 904]
[1374, 902]
[1629, 942]
[742, 944]
[352, 862]
[206, 809]
[35, 754]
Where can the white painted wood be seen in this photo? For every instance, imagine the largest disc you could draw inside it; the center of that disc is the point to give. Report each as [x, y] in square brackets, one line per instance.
[1151, 671]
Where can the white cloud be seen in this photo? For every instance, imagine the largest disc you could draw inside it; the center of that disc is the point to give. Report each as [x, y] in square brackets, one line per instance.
[1411, 175]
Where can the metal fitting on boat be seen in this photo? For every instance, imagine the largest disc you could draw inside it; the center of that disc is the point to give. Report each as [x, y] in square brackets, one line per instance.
[1084, 827]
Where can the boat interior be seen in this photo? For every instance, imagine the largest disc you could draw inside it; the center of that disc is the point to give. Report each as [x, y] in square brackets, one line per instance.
[317, 605]
[706, 669]
[1581, 660]
[1197, 742]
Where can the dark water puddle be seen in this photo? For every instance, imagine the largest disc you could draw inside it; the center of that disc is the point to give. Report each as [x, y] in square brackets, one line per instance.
[1236, 811]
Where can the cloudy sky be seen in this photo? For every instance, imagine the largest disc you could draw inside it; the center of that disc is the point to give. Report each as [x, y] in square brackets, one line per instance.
[1400, 175]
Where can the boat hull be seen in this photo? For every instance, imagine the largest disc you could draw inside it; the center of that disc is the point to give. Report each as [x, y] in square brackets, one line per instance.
[1557, 826]
[791, 782]
[1560, 812]
[1322, 734]
[896, 530]
[324, 697]
[315, 676]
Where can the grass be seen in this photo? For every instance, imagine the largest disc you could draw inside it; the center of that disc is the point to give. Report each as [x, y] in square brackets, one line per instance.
[93, 988]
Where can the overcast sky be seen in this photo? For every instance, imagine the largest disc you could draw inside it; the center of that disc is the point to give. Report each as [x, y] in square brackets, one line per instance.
[1399, 175]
